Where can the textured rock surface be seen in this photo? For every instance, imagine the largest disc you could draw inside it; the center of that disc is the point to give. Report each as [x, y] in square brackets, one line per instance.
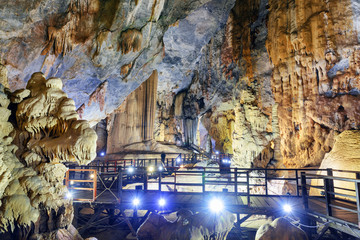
[280, 229]
[88, 42]
[345, 156]
[278, 82]
[262, 80]
[43, 126]
[314, 47]
[201, 225]
[231, 103]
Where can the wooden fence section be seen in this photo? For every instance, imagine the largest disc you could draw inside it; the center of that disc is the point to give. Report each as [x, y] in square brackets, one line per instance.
[328, 197]
[82, 180]
[336, 201]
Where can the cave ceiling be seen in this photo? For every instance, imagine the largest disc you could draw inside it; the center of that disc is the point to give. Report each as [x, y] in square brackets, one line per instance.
[103, 50]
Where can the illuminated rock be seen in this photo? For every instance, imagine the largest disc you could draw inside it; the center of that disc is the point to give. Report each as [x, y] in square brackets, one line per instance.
[343, 156]
[47, 132]
[187, 226]
[280, 229]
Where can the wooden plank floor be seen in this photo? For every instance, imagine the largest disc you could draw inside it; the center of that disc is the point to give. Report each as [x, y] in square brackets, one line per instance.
[317, 206]
[236, 204]
[262, 205]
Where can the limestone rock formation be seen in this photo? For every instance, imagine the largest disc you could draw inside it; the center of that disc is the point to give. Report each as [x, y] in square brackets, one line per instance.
[187, 226]
[270, 82]
[276, 84]
[40, 131]
[231, 104]
[343, 156]
[49, 127]
[133, 122]
[313, 46]
[280, 229]
[88, 42]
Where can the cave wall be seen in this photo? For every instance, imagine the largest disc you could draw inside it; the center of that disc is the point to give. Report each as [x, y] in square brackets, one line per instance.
[313, 46]
[278, 82]
[86, 43]
[230, 91]
[266, 80]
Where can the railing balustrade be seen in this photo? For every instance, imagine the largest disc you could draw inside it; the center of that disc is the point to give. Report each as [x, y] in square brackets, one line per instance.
[113, 175]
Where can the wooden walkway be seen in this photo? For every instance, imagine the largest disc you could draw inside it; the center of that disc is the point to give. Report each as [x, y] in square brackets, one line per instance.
[263, 205]
[243, 191]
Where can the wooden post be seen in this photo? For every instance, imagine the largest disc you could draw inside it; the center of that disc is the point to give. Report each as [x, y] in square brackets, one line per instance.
[304, 191]
[76, 215]
[67, 178]
[175, 190]
[95, 185]
[266, 185]
[297, 183]
[328, 196]
[236, 181]
[145, 181]
[248, 188]
[120, 183]
[203, 181]
[160, 175]
[331, 181]
[357, 188]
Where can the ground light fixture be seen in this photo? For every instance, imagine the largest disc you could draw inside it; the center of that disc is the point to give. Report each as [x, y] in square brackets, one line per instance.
[161, 168]
[130, 170]
[102, 154]
[287, 208]
[178, 159]
[92, 176]
[151, 169]
[216, 205]
[69, 195]
[225, 160]
[162, 202]
[136, 202]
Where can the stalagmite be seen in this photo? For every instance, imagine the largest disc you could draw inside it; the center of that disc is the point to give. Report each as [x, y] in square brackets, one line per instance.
[46, 133]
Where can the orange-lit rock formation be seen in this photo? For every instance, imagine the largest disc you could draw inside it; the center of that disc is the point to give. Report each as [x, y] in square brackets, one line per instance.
[133, 122]
[313, 47]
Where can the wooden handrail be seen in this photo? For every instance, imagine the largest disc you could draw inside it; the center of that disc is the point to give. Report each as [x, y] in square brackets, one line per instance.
[93, 180]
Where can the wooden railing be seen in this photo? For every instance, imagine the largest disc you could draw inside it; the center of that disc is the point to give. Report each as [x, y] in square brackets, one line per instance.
[240, 181]
[333, 196]
[113, 164]
[339, 201]
[81, 179]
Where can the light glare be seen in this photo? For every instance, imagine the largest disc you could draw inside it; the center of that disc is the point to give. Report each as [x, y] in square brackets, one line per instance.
[136, 202]
[69, 195]
[162, 202]
[287, 208]
[216, 205]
